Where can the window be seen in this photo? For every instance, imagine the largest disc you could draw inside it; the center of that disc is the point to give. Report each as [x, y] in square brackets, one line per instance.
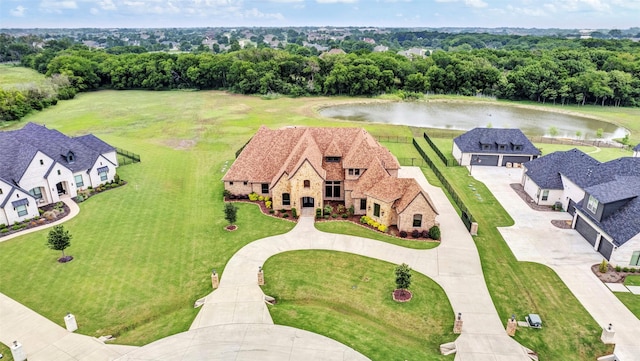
[363, 203]
[593, 204]
[265, 188]
[286, 199]
[635, 259]
[22, 210]
[486, 147]
[376, 209]
[307, 183]
[244, 183]
[230, 183]
[79, 181]
[103, 176]
[332, 159]
[517, 147]
[502, 147]
[36, 193]
[417, 220]
[332, 189]
[354, 171]
[545, 194]
[41, 162]
[59, 173]
[71, 157]
[350, 171]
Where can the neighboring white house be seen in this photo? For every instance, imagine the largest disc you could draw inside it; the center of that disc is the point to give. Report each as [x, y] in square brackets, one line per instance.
[493, 147]
[604, 199]
[39, 165]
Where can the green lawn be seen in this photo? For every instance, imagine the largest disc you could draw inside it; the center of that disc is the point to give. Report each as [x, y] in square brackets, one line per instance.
[631, 301]
[348, 298]
[356, 230]
[521, 288]
[6, 352]
[12, 76]
[632, 280]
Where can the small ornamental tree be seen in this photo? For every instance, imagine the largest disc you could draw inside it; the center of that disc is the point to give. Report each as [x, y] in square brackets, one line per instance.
[59, 239]
[230, 213]
[403, 276]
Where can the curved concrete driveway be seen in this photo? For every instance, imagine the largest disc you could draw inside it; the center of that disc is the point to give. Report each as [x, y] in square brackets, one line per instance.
[533, 238]
[455, 265]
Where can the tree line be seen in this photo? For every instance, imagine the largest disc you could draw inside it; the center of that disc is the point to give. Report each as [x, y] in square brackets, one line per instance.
[585, 75]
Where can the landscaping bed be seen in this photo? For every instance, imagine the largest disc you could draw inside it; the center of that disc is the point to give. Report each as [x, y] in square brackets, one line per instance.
[614, 275]
[48, 214]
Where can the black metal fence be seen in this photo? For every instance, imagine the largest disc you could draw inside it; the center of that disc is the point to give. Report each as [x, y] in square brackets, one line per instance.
[125, 157]
[447, 161]
[445, 183]
[241, 148]
[392, 139]
[412, 162]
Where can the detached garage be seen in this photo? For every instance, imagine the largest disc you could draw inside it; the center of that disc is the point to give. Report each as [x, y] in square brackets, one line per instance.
[493, 147]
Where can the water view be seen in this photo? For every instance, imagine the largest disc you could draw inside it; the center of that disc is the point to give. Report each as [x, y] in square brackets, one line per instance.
[465, 116]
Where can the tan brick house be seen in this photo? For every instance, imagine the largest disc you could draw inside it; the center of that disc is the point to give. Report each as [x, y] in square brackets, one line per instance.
[302, 167]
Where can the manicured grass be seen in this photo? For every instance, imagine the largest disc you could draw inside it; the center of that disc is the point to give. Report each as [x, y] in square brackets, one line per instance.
[521, 288]
[632, 280]
[6, 352]
[348, 298]
[356, 230]
[631, 301]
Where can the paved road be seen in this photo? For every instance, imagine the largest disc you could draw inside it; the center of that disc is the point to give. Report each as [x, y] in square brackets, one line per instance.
[533, 238]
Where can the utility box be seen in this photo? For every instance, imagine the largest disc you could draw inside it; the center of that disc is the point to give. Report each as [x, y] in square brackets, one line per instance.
[70, 322]
[534, 320]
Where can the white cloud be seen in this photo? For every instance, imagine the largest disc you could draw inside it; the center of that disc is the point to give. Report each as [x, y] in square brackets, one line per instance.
[107, 5]
[285, 1]
[18, 11]
[336, 1]
[470, 3]
[54, 5]
[257, 14]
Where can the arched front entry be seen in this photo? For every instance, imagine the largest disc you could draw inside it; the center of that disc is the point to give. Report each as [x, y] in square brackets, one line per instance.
[308, 202]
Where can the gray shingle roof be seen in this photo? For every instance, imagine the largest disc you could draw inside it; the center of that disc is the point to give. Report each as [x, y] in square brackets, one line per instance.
[471, 141]
[18, 147]
[574, 164]
[637, 148]
[608, 182]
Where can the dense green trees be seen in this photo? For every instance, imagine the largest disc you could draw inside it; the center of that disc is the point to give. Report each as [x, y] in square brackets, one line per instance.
[603, 72]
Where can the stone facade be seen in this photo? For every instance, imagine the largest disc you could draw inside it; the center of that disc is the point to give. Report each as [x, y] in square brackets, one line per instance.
[419, 206]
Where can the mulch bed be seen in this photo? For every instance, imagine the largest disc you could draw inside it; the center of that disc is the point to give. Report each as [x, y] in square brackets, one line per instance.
[611, 276]
[561, 223]
[402, 295]
[40, 221]
[231, 228]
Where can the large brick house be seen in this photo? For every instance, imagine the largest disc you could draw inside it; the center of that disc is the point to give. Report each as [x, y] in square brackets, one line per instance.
[302, 167]
[39, 165]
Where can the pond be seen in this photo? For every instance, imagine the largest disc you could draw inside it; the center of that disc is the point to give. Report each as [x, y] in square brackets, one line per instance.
[465, 116]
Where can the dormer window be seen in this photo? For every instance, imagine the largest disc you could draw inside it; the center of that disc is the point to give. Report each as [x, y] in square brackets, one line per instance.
[517, 147]
[486, 146]
[502, 147]
[332, 159]
[592, 205]
[354, 171]
[71, 157]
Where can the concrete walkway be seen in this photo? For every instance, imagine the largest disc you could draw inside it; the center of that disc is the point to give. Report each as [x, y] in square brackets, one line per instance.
[73, 211]
[533, 238]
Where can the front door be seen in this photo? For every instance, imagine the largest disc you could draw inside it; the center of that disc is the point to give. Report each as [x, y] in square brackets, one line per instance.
[307, 202]
[60, 189]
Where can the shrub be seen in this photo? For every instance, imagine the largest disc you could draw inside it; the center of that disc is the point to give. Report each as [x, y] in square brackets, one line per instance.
[328, 209]
[116, 178]
[267, 204]
[286, 215]
[271, 211]
[364, 219]
[351, 210]
[341, 209]
[425, 234]
[4, 230]
[18, 226]
[334, 215]
[260, 198]
[632, 270]
[326, 216]
[618, 268]
[79, 198]
[294, 212]
[253, 197]
[267, 198]
[415, 233]
[603, 266]
[382, 228]
[318, 212]
[434, 232]
[226, 193]
[625, 269]
[40, 211]
[344, 215]
[3, 226]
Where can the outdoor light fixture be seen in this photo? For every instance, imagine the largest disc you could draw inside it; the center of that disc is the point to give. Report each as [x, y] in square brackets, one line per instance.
[610, 327]
[513, 317]
[459, 316]
[213, 271]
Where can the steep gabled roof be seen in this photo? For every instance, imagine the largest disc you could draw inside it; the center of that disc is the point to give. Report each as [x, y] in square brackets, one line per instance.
[637, 148]
[574, 164]
[472, 141]
[19, 147]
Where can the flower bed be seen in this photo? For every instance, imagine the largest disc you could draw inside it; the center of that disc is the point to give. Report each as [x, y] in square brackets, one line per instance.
[48, 214]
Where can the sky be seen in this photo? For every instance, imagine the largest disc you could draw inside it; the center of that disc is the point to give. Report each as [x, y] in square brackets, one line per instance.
[578, 14]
